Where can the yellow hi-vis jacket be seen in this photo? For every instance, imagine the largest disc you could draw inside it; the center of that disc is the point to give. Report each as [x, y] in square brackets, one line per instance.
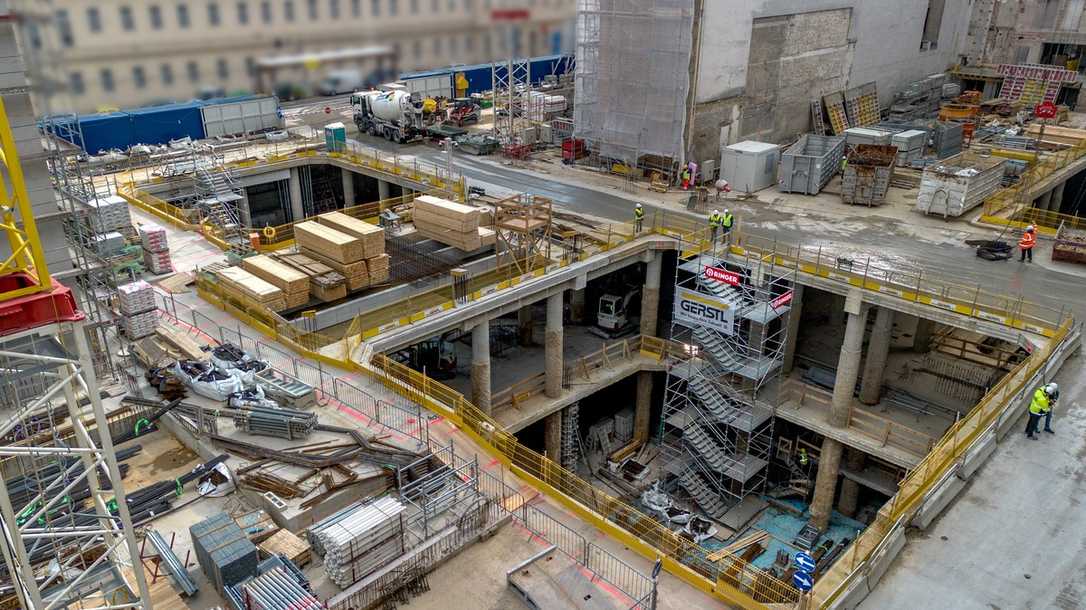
[715, 220]
[1039, 405]
[639, 213]
[726, 221]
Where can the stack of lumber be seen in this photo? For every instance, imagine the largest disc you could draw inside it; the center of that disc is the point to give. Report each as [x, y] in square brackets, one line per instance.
[243, 285]
[377, 267]
[325, 283]
[285, 543]
[331, 243]
[448, 222]
[1062, 136]
[293, 283]
[372, 236]
[340, 251]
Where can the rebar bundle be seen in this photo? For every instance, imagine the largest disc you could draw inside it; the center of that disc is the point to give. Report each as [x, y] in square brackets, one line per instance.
[282, 423]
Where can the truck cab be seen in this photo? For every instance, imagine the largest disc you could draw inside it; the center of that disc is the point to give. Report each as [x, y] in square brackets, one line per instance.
[340, 81]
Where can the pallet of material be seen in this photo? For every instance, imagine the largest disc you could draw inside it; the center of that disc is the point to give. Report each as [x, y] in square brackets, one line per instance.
[334, 245]
[355, 273]
[444, 213]
[377, 267]
[372, 236]
[285, 543]
[325, 283]
[487, 237]
[243, 284]
[293, 283]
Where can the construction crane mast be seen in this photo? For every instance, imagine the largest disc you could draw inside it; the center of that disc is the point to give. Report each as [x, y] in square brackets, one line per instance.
[67, 537]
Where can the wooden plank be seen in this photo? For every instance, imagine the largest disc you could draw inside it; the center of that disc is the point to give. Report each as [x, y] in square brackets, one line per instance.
[372, 236]
[284, 542]
[282, 276]
[334, 245]
[355, 273]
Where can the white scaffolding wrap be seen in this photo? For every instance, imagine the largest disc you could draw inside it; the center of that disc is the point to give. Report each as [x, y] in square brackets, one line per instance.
[632, 76]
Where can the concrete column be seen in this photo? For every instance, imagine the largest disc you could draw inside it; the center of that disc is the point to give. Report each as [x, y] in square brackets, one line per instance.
[848, 363]
[244, 213]
[922, 336]
[296, 196]
[553, 349]
[850, 490]
[1057, 198]
[480, 366]
[382, 190]
[829, 465]
[794, 316]
[348, 187]
[1044, 201]
[643, 408]
[576, 306]
[650, 296]
[524, 326]
[552, 436]
[878, 348]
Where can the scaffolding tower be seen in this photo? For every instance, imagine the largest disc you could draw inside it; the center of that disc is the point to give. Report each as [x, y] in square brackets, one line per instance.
[523, 226]
[717, 425]
[632, 81]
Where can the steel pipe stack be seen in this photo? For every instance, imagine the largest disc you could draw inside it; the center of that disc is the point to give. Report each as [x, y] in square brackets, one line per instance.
[281, 423]
[276, 589]
[173, 565]
[313, 534]
[362, 542]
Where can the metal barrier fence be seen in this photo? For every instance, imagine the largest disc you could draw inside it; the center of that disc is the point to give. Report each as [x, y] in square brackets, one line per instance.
[398, 414]
[602, 563]
[1009, 393]
[1019, 196]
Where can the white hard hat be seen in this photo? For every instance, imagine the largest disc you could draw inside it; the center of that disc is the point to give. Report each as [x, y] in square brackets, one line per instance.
[1051, 389]
[639, 205]
[726, 210]
[1030, 229]
[716, 211]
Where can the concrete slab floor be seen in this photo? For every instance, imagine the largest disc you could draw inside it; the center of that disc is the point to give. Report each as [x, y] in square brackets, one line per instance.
[1016, 536]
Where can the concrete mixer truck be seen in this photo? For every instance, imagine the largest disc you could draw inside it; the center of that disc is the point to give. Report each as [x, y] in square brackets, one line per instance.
[393, 114]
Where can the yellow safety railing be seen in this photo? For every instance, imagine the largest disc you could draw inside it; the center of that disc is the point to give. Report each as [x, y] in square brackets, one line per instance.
[1020, 195]
[923, 478]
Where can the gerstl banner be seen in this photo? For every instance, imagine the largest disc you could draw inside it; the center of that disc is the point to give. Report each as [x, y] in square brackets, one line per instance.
[722, 275]
[694, 309]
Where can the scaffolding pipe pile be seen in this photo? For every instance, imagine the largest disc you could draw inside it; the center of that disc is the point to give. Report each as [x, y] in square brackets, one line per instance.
[281, 423]
[364, 541]
[313, 534]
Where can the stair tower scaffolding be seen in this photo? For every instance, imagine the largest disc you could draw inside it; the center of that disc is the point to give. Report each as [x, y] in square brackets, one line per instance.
[716, 432]
[57, 552]
[218, 196]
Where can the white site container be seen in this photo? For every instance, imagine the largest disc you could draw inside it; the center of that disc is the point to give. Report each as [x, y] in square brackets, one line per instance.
[958, 184]
[249, 115]
[749, 166]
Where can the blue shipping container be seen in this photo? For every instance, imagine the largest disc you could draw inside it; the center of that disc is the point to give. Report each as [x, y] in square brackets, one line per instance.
[479, 75]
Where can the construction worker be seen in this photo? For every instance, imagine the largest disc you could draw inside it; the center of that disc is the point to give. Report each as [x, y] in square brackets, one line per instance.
[715, 219]
[1053, 392]
[844, 165]
[803, 458]
[726, 221]
[1040, 405]
[685, 178]
[1028, 241]
[639, 218]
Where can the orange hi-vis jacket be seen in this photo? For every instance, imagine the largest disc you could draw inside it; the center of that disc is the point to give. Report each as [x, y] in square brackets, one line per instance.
[1028, 241]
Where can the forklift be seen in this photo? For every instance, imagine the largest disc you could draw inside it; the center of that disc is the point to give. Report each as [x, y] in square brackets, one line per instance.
[619, 313]
[435, 356]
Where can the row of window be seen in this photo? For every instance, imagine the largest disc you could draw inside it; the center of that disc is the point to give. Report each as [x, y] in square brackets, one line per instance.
[165, 72]
[268, 11]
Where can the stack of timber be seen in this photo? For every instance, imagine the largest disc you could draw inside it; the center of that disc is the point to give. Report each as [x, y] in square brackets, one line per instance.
[448, 222]
[293, 283]
[377, 268]
[245, 286]
[340, 251]
[325, 283]
[372, 236]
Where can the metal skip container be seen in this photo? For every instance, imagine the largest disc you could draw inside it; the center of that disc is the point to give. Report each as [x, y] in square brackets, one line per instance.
[809, 164]
[958, 184]
[867, 175]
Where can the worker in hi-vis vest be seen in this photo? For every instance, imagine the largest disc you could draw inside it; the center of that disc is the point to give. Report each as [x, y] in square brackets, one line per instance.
[1029, 239]
[715, 219]
[1041, 406]
[726, 222]
[639, 218]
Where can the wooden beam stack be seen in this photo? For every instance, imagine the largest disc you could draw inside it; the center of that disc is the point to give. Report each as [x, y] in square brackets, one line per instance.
[325, 283]
[328, 242]
[244, 285]
[293, 283]
[377, 267]
[356, 274]
[372, 236]
[448, 222]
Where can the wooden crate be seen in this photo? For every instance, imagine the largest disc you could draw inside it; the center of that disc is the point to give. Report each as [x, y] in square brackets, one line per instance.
[372, 236]
[332, 244]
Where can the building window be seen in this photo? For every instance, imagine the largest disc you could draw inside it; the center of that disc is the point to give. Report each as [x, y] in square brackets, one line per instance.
[435, 6]
[213, 13]
[222, 68]
[469, 5]
[469, 43]
[166, 73]
[393, 7]
[416, 49]
[288, 10]
[107, 79]
[64, 29]
[414, 7]
[333, 9]
[933, 21]
[194, 71]
[155, 16]
[453, 46]
[183, 15]
[94, 19]
[487, 46]
[34, 34]
[265, 11]
[243, 13]
[311, 7]
[250, 66]
[127, 22]
[452, 6]
[437, 45]
[376, 8]
[356, 8]
[75, 82]
[139, 77]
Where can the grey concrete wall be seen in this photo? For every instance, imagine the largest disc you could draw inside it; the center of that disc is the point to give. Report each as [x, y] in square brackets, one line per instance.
[883, 41]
